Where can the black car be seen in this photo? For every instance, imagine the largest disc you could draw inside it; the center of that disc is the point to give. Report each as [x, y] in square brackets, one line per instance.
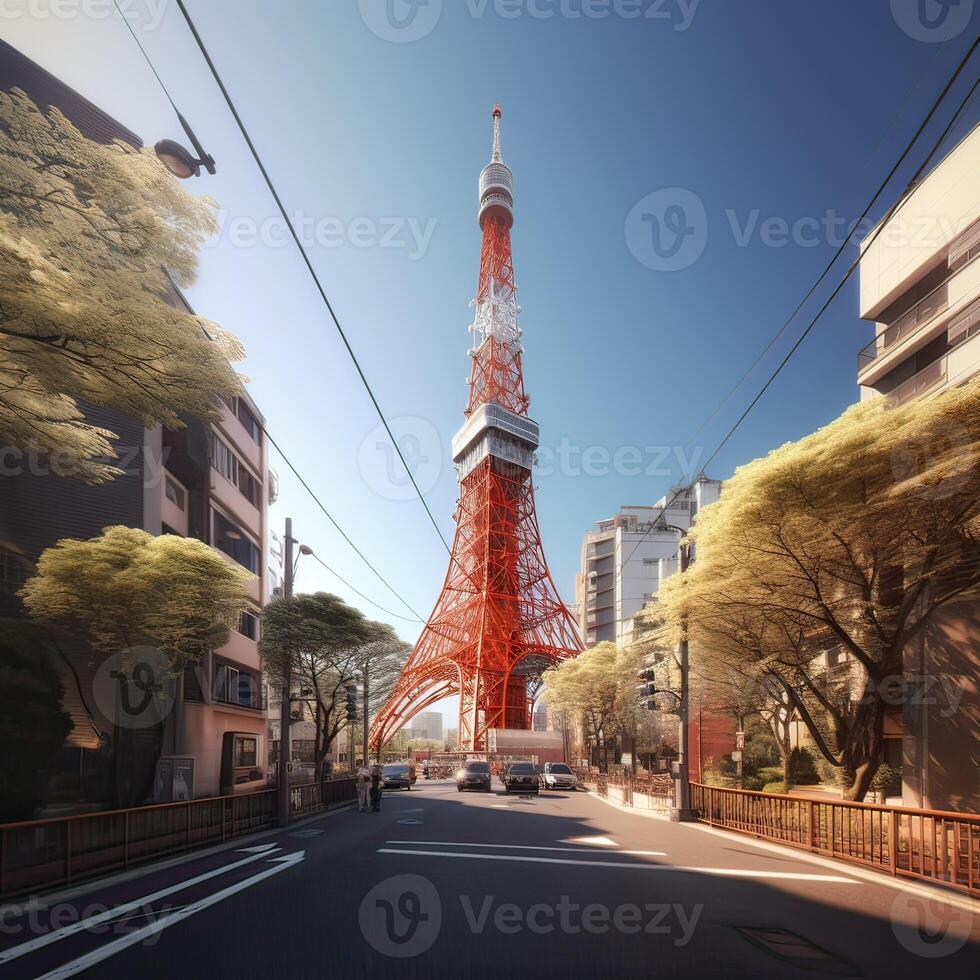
[522, 777]
[396, 775]
[474, 775]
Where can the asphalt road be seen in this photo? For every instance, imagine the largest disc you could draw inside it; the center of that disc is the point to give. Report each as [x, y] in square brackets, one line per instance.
[443, 884]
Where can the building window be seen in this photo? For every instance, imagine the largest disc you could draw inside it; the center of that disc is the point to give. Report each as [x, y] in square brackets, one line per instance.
[249, 486]
[246, 752]
[230, 538]
[175, 493]
[223, 459]
[248, 625]
[235, 686]
[250, 422]
[193, 687]
[226, 684]
[167, 529]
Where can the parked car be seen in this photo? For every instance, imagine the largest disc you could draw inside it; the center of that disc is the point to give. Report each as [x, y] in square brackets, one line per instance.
[474, 775]
[522, 777]
[558, 775]
[396, 775]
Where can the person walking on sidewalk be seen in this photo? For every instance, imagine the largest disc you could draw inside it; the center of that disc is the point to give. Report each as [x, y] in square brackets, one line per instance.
[363, 787]
[375, 788]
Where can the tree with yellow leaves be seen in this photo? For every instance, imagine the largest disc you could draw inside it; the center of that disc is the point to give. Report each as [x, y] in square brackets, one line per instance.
[846, 543]
[126, 590]
[93, 239]
[599, 685]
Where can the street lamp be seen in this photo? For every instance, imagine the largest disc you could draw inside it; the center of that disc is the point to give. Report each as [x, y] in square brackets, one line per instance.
[285, 701]
[179, 160]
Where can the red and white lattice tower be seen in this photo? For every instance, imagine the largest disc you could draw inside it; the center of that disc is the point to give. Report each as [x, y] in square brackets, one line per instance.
[498, 622]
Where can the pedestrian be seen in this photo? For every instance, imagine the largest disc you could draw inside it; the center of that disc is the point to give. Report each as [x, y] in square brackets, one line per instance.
[363, 787]
[375, 788]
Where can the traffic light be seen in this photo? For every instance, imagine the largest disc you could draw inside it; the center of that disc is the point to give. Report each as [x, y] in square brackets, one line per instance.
[648, 689]
[352, 702]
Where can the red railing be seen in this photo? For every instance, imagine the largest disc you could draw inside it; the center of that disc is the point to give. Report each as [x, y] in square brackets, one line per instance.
[932, 845]
[43, 854]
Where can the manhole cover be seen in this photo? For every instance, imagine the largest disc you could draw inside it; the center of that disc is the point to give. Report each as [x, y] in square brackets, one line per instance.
[410, 820]
[306, 833]
[793, 948]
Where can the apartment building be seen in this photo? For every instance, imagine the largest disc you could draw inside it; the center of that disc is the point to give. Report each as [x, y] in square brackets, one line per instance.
[207, 480]
[627, 556]
[920, 286]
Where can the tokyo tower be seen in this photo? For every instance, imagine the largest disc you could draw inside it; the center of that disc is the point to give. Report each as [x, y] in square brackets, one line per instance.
[498, 622]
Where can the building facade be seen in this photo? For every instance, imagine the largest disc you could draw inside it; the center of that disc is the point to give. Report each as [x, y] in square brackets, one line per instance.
[206, 480]
[920, 286]
[627, 556]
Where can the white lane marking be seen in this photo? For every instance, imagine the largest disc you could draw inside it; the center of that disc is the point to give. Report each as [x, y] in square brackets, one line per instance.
[257, 853]
[123, 942]
[723, 872]
[521, 847]
[597, 841]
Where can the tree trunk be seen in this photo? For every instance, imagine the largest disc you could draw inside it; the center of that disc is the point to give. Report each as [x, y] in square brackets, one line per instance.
[863, 744]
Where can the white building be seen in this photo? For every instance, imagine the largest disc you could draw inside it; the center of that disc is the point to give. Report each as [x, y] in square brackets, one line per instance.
[920, 284]
[625, 559]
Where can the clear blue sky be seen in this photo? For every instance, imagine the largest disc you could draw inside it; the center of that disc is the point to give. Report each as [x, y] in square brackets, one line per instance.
[788, 110]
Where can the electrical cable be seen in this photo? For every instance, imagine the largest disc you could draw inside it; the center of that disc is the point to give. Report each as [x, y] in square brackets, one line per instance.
[309, 265]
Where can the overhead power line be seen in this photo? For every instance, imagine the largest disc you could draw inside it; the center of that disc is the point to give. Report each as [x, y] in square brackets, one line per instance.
[847, 275]
[840, 251]
[377, 605]
[357, 551]
[309, 266]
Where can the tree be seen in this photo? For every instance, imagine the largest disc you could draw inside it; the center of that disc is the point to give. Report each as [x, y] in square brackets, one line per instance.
[599, 684]
[92, 240]
[33, 725]
[127, 589]
[325, 644]
[824, 560]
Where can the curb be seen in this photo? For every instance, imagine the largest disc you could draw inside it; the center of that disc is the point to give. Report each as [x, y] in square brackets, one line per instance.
[924, 889]
[43, 900]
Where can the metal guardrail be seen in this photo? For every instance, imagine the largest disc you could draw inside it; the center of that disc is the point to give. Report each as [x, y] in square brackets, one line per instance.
[44, 854]
[654, 791]
[929, 845]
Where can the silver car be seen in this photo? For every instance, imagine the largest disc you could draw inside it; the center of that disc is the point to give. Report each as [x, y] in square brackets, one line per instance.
[557, 775]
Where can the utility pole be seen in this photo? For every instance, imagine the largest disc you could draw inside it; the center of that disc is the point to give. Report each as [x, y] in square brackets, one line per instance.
[285, 704]
[364, 720]
[682, 811]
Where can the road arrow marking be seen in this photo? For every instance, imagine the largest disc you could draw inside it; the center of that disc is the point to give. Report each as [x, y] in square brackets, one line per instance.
[257, 853]
[69, 969]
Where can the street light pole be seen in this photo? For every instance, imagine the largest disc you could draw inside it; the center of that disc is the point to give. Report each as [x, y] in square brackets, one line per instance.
[682, 812]
[364, 720]
[286, 682]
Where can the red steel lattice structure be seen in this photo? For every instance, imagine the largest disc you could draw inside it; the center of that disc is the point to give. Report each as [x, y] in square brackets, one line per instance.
[498, 622]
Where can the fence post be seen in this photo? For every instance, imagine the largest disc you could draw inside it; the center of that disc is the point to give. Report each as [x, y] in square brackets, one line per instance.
[68, 852]
[893, 841]
[126, 839]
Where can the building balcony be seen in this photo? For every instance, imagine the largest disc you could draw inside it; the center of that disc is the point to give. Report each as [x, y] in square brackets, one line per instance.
[936, 312]
[905, 326]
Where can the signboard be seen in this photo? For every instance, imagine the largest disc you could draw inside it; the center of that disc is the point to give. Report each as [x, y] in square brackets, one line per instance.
[174, 779]
[626, 759]
[736, 756]
[740, 740]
